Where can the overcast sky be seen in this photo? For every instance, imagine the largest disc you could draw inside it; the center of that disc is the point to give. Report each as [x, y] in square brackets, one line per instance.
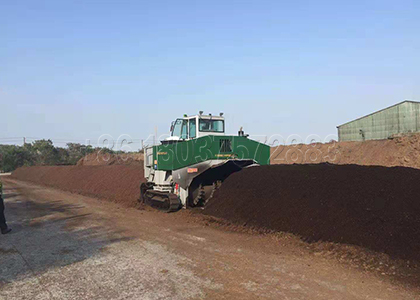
[75, 70]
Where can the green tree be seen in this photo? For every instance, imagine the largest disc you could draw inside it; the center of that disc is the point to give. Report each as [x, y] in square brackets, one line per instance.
[46, 153]
[77, 151]
[43, 152]
[12, 157]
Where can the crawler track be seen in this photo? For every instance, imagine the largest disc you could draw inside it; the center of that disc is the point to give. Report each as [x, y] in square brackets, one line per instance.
[167, 202]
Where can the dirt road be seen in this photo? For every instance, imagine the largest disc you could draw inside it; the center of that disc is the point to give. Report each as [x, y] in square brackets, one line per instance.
[66, 246]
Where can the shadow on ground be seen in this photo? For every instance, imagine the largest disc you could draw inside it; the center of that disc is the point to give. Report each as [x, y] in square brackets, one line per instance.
[49, 235]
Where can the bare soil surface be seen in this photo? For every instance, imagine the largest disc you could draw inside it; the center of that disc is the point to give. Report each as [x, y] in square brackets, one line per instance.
[398, 151]
[106, 159]
[68, 246]
[377, 208]
[116, 183]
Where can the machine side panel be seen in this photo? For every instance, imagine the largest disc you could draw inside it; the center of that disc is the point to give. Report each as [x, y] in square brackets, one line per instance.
[173, 156]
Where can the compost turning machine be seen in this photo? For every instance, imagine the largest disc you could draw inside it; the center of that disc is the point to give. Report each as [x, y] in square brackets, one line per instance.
[187, 167]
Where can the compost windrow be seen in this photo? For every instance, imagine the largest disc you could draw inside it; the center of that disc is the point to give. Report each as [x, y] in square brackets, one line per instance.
[374, 207]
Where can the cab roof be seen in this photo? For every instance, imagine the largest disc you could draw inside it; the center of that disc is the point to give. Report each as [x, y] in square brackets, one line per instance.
[206, 117]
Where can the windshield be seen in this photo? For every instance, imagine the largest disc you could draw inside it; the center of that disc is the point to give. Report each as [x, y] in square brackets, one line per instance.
[208, 125]
[180, 129]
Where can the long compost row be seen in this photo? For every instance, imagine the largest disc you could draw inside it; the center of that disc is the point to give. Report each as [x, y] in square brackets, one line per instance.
[116, 183]
[374, 207]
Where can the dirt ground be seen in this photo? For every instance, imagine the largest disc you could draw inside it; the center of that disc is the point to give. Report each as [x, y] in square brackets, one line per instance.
[67, 246]
[372, 207]
[397, 151]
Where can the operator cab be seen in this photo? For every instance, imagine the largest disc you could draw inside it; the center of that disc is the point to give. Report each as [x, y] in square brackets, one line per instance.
[192, 127]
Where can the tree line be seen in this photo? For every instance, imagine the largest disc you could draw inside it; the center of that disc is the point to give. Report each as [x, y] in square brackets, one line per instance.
[43, 152]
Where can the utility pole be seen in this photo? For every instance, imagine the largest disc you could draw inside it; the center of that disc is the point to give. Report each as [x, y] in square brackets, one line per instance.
[24, 141]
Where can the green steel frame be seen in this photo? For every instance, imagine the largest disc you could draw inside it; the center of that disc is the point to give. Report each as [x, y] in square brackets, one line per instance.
[181, 154]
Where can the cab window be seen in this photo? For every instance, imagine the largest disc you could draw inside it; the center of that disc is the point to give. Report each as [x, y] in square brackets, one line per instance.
[193, 129]
[208, 125]
[180, 129]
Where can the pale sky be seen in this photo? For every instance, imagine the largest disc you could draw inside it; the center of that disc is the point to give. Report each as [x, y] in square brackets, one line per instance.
[75, 70]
